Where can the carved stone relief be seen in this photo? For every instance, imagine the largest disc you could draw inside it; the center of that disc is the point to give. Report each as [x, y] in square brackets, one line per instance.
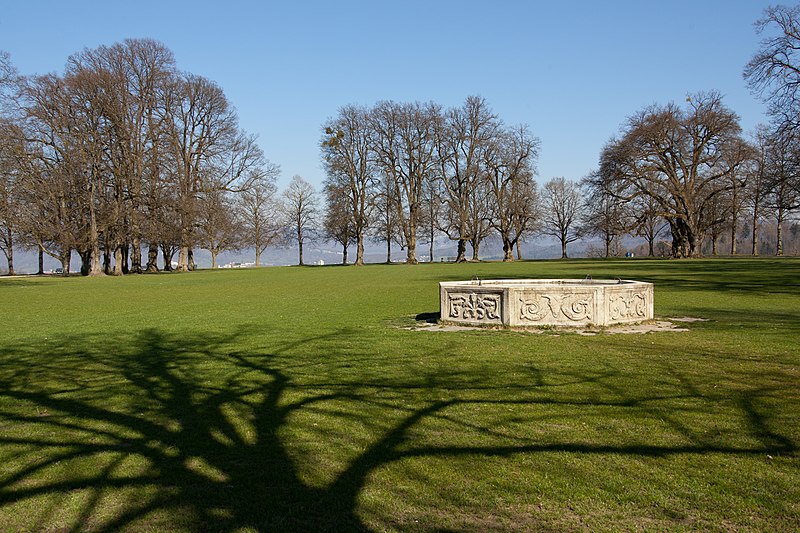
[575, 307]
[627, 305]
[475, 306]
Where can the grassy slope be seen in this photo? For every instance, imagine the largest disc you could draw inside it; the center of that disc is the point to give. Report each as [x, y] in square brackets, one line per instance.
[287, 397]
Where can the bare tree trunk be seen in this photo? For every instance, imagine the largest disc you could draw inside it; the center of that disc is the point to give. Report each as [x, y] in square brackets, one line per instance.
[118, 260]
[519, 251]
[86, 259]
[95, 267]
[125, 256]
[300, 249]
[360, 247]
[41, 260]
[388, 249]
[755, 230]
[167, 252]
[462, 251]
[411, 251]
[508, 250]
[213, 259]
[258, 257]
[190, 260]
[564, 249]
[107, 260]
[734, 229]
[183, 259]
[152, 258]
[10, 251]
[65, 260]
[779, 236]
[136, 255]
[344, 254]
[475, 247]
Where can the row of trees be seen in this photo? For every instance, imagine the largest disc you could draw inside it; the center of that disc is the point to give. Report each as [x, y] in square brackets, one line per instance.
[401, 167]
[124, 155]
[405, 170]
[691, 166]
[124, 152]
[401, 171]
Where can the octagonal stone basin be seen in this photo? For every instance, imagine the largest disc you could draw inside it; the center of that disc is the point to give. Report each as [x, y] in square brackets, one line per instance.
[545, 302]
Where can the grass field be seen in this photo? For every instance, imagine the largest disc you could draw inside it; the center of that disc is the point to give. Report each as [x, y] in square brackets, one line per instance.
[293, 399]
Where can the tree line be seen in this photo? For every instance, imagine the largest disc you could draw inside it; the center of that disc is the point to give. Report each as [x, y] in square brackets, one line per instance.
[401, 170]
[122, 156]
[125, 158]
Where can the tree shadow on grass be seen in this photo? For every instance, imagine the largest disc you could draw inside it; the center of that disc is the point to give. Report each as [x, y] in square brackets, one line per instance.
[171, 432]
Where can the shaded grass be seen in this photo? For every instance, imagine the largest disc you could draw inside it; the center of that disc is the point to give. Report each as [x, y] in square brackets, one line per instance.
[285, 399]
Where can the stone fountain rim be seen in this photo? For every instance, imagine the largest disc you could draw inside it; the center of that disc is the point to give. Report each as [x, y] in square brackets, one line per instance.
[541, 282]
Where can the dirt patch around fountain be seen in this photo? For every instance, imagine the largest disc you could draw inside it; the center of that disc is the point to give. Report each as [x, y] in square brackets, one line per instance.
[651, 326]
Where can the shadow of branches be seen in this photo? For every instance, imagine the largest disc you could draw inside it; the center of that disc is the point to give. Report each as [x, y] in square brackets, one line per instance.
[168, 432]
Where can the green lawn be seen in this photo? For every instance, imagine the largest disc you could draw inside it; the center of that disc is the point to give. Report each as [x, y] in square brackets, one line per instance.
[293, 399]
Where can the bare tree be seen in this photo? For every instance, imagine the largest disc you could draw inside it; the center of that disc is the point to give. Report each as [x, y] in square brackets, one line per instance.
[648, 223]
[462, 139]
[348, 159]
[562, 210]
[680, 158]
[64, 176]
[509, 162]
[605, 214]
[479, 217]
[782, 196]
[300, 209]
[774, 71]
[432, 212]
[12, 151]
[404, 144]
[202, 124]
[386, 227]
[338, 224]
[259, 212]
[219, 228]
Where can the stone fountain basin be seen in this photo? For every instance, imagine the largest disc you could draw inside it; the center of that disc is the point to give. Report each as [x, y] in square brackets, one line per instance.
[545, 302]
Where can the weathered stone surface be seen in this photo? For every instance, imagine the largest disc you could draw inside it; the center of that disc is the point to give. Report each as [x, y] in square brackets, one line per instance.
[543, 302]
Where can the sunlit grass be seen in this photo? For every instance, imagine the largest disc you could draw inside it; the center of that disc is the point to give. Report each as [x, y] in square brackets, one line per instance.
[289, 398]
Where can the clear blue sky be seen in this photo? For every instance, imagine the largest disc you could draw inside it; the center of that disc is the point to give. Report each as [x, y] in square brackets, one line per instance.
[573, 71]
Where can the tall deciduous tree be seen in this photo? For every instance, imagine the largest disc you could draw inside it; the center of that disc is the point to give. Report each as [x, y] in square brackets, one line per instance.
[219, 227]
[605, 215]
[782, 197]
[347, 155]
[682, 158]
[12, 154]
[404, 145]
[259, 212]
[132, 77]
[338, 223]
[386, 226]
[509, 163]
[300, 211]
[774, 70]
[561, 211]
[210, 150]
[464, 136]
